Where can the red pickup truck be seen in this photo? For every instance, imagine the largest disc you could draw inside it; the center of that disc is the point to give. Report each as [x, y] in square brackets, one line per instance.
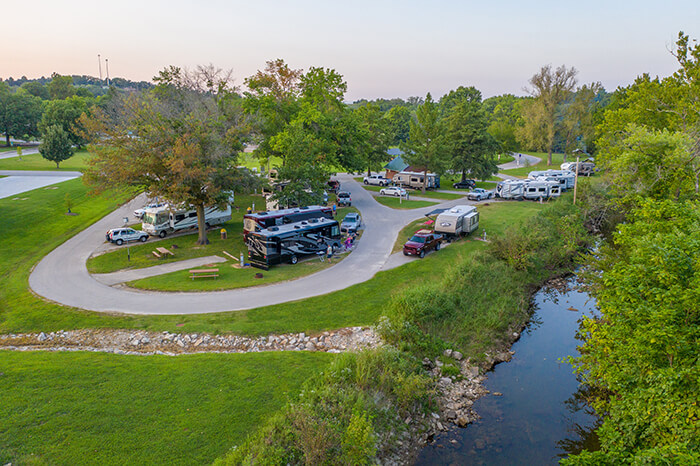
[421, 242]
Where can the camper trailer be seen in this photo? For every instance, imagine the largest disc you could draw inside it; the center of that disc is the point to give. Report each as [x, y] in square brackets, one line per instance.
[539, 190]
[459, 220]
[583, 168]
[565, 178]
[288, 243]
[511, 189]
[415, 180]
[161, 221]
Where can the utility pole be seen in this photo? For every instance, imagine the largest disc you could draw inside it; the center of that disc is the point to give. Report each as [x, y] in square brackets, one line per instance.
[107, 65]
[578, 152]
[99, 63]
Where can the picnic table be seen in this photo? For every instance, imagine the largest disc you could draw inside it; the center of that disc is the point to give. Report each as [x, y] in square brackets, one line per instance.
[200, 273]
[165, 251]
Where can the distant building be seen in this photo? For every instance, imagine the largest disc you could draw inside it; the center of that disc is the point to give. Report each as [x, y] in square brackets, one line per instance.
[395, 166]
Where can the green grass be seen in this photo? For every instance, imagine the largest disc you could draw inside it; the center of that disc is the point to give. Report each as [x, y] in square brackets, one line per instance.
[36, 162]
[522, 172]
[80, 408]
[38, 225]
[416, 192]
[396, 203]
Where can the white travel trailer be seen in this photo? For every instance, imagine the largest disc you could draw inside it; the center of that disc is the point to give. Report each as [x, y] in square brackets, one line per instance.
[511, 189]
[565, 178]
[583, 168]
[415, 180]
[539, 190]
[459, 220]
[161, 221]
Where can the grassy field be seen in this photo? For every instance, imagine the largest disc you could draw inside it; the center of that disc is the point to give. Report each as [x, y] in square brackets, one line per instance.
[396, 203]
[96, 408]
[37, 162]
[522, 172]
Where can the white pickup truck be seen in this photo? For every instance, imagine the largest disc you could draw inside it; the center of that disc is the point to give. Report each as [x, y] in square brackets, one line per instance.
[377, 180]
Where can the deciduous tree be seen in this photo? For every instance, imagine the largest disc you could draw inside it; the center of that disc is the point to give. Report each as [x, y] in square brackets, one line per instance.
[377, 136]
[55, 145]
[19, 114]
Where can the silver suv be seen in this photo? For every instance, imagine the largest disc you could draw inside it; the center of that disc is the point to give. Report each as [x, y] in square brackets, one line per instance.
[120, 236]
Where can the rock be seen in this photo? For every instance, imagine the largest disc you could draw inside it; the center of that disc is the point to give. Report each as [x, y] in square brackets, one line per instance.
[310, 346]
[463, 421]
[450, 414]
[445, 380]
[497, 394]
[435, 415]
[180, 343]
[447, 353]
[472, 372]
[427, 363]
[42, 336]
[457, 355]
[135, 342]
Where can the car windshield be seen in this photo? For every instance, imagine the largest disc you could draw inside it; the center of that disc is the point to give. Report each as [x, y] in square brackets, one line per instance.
[417, 239]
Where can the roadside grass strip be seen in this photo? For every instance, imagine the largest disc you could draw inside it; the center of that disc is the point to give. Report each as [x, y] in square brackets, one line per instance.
[97, 408]
[396, 203]
[36, 162]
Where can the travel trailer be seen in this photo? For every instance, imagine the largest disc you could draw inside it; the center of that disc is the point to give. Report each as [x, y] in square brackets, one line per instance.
[459, 220]
[511, 189]
[415, 180]
[565, 178]
[161, 221]
[287, 243]
[539, 190]
[584, 168]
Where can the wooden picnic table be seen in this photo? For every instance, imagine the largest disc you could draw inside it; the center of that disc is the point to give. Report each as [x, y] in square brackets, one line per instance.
[199, 273]
[164, 251]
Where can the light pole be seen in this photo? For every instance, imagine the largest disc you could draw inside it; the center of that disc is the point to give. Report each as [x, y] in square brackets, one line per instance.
[578, 153]
[128, 252]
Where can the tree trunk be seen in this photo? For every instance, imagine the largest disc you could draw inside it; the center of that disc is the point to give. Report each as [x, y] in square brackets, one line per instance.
[425, 180]
[57, 164]
[549, 156]
[464, 174]
[7, 139]
[202, 224]
[369, 173]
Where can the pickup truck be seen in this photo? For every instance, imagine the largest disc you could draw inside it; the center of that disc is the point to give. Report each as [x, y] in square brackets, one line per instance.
[377, 180]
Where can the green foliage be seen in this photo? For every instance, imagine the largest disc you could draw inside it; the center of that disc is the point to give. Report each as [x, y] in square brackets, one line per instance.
[335, 418]
[376, 136]
[36, 89]
[66, 113]
[60, 87]
[504, 120]
[56, 145]
[399, 122]
[19, 114]
[641, 353]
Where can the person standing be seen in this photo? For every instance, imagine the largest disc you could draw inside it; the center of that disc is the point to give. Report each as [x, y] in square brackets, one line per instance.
[329, 252]
[335, 206]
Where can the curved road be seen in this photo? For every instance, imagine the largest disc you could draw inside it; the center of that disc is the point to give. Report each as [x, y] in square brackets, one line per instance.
[62, 275]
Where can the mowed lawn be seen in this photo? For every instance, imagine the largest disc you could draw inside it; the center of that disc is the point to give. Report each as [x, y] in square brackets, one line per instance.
[523, 171]
[105, 409]
[36, 162]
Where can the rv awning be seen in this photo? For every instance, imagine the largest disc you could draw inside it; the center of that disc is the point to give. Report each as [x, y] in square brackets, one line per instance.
[435, 212]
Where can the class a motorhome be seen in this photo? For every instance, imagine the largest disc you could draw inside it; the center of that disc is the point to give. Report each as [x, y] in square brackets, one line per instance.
[415, 180]
[288, 243]
[262, 220]
[458, 220]
[584, 168]
[162, 221]
[565, 178]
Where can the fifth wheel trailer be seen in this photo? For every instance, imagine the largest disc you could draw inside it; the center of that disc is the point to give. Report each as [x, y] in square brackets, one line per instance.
[459, 220]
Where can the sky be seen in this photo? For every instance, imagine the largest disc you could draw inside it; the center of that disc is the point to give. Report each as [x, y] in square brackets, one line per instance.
[384, 49]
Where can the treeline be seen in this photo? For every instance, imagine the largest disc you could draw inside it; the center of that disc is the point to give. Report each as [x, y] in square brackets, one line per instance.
[640, 356]
[81, 80]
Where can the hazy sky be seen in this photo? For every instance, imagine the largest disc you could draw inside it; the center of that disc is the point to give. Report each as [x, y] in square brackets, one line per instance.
[382, 48]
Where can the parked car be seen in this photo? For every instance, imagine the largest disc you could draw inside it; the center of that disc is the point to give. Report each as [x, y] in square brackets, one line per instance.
[343, 198]
[465, 184]
[421, 242]
[351, 223]
[377, 180]
[393, 191]
[120, 236]
[333, 186]
[138, 213]
[479, 194]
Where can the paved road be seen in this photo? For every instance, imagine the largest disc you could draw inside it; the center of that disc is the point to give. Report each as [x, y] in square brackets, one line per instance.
[13, 153]
[19, 181]
[62, 275]
[521, 160]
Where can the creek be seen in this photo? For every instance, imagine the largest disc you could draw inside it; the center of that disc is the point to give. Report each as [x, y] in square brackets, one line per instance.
[541, 415]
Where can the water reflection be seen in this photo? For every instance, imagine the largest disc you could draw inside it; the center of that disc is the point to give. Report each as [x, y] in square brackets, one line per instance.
[541, 416]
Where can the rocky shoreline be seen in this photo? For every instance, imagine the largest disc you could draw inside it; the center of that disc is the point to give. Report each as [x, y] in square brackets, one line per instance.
[140, 342]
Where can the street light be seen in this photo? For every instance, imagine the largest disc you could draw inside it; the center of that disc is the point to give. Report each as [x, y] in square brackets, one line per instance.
[128, 252]
[578, 153]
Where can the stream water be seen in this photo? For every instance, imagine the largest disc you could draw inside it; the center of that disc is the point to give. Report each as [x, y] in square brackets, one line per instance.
[541, 416]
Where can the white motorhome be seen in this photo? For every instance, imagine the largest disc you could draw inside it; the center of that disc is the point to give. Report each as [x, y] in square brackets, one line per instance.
[565, 178]
[415, 180]
[161, 221]
[511, 189]
[583, 168]
[459, 220]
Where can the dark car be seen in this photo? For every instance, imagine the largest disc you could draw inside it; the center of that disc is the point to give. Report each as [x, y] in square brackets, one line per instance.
[343, 198]
[465, 184]
[333, 186]
[421, 242]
